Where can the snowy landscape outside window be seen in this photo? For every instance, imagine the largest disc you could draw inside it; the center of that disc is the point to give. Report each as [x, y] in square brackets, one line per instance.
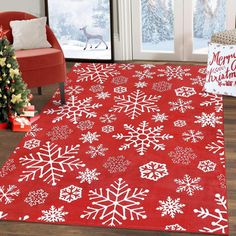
[83, 28]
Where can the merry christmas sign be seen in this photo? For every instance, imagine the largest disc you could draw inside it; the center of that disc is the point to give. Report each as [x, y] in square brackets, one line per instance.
[221, 70]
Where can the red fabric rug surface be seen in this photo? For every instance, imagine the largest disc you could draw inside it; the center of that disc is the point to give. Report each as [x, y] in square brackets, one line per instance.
[136, 146]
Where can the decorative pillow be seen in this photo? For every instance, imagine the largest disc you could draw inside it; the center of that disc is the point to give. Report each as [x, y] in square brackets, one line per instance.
[221, 70]
[28, 34]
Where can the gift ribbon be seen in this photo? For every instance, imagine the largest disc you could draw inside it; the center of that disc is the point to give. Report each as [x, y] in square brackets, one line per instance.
[23, 122]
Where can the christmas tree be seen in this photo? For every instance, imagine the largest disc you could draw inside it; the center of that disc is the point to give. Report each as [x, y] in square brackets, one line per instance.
[14, 95]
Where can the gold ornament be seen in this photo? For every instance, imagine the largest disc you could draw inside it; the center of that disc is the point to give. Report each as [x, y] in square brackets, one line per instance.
[14, 72]
[16, 98]
[14, 57]
[3, 61]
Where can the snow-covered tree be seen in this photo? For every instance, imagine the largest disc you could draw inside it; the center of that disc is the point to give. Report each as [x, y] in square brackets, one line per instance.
[199, 18]
[170, 18]
[220, 16]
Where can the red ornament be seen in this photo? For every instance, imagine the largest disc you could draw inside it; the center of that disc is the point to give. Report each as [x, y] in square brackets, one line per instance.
[13, 81]
[30, 96]
[3, 33]
[7, 88]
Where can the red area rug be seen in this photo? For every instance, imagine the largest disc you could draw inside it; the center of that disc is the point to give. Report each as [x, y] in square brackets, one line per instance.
[136, 146]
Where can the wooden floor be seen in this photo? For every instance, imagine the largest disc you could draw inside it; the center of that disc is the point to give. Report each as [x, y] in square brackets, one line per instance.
[9, 140]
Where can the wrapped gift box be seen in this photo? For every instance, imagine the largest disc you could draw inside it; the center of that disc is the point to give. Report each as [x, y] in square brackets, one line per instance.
[21, 124]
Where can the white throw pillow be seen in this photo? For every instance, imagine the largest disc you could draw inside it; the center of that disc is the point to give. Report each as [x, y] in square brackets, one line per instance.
[29, 34]
[221, 70]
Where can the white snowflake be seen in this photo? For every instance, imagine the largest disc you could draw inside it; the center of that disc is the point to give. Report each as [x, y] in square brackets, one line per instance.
[213, 100]
[160, 117]
[34, 130]
[59, 132]
[24, 218]
[90, 137]
[116, 204]
[53, 214]
[96, 151]
[36, 197]
[119, 80]
[116, 164]
[74, 109]
[141, 84]
[182, 155]
[108, 129]
[148, 66]
[8, 193]
[176, 72]
[175, 227]
[120, 89]
[153, 171]
[103, 95]
[3, 215]
[198, 80]
[203, 70]
[162, 86]
[7, 167]
[208, 119]
[50, 163]
[170, 207]
[181, 105]
[193, 136]
[188, 185]
[135, 104]
[126, 66]
[206, 166]
[70, 193]
[222, 180]
[142, 137]
[96, 88]
[32, 143]
[180, 123]
[88, 175]
[84, 125]
[185, 92]
[219, 216]
[73, 90]
[146, 74]
[108, 118]
[96, 72]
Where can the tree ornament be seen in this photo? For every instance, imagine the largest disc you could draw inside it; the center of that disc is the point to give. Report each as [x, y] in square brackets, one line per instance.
[8, 82]
[14, 72]
[30, 96]
[3, 61]
[16, 98]
[8, 65]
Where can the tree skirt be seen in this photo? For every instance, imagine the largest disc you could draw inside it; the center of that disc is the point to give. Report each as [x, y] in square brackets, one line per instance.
[136, 146]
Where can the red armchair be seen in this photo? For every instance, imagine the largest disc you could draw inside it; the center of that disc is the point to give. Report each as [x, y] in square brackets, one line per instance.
[41, 66]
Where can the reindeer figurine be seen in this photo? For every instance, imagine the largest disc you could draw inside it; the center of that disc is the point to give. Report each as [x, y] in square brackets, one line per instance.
[92, 36]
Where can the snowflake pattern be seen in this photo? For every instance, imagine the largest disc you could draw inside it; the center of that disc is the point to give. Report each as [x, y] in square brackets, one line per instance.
[182, 155]
[185, 92]
[135, 104]
[108, 129]
[74, 109]
[96, 88]
[96, 151]
[36, 197]
[160, 117]
[108, 118]
[3, 215]
[33, 131]
[8, 193]
[103, 95]
[116, 204]
[126, 66]
[142, 137]
[162, 86]
[85, 125]
[181, 105]
[188, 185]
[153, 171]
[219, 217]
[206, 166]
[90, 137]
[50, 163]
[212, 100]
[88, 176]
[96, 72]
[53, 214]
[170, 207]
[222, 180]
[59, 132]
[120, 89]
[192, 136]
[180, 123]
[119, 80]
[146, 74]
[218, 146]
[172, 72]
[70, 90]
[32, 143]
[70, 193]
[8, 167]
[208, 119]
[148, 66]
[198, 80]
[175, 227]
[116, 164]
[141, 84]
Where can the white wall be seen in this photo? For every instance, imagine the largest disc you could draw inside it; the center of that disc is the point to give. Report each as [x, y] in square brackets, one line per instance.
[35, 7]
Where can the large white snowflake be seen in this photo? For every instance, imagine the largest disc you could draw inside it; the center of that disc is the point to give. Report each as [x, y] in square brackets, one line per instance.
[181, 105]
[116, 204]
[74, 109]
[116, 164]
[7, 167]
[8, 193]
[142, 137]
[153, 171]
[59, 132]
[36, 197]
[88, 175]
[185, 92]
[170, 207]
[90, 137]
[212, 100]
[172, 72]
[96, 151]
[219, 218]
[192, 136]
[53, 214]
[141, 75]
[73, 90]
[160, 117]
[188, 185]
[70, 193]
[50, 163]
[34, 130]
[208, 119]
[135, 104]
[96, 72]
